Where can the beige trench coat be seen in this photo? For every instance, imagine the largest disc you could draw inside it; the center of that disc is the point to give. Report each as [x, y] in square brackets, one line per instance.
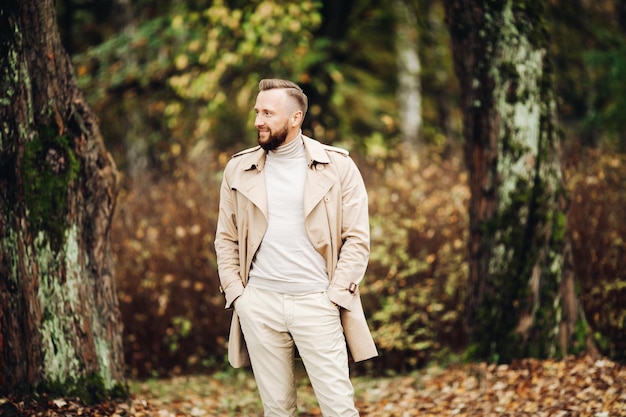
[336, 221]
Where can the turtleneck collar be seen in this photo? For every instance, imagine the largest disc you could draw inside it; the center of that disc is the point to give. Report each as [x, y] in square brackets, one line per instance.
[294, 149]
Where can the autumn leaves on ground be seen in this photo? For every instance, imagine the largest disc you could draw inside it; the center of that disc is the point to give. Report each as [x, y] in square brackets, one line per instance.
[574, 387]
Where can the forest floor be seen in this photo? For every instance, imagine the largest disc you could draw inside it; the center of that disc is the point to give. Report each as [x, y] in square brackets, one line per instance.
[572, 387]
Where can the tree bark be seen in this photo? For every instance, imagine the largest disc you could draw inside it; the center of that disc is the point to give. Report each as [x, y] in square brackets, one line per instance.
[60, 327]
[520, 291]
[409, 67]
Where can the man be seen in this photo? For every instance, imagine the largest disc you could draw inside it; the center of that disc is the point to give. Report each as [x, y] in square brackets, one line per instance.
[292, 246]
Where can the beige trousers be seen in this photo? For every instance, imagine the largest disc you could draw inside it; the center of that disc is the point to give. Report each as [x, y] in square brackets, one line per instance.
[274, 325]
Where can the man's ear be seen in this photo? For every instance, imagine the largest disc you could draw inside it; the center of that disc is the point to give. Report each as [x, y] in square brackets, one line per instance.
[296, 119]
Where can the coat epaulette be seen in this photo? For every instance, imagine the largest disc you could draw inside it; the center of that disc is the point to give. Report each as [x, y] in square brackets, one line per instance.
[246, 151]
[336, 149]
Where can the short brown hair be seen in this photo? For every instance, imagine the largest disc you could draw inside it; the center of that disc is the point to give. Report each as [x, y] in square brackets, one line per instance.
[292, 89]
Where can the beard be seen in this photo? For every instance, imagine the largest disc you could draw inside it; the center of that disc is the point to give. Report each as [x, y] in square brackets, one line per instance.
[275, 139]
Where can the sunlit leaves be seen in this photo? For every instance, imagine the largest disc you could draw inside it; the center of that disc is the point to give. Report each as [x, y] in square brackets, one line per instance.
[202, 60]
[236, 40]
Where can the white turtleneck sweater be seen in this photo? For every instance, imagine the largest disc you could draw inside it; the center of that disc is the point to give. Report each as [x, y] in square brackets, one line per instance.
[286, 262]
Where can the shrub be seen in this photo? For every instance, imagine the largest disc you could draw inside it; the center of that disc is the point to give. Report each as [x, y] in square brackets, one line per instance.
[415, 281]
[162, 237]
[596, 218]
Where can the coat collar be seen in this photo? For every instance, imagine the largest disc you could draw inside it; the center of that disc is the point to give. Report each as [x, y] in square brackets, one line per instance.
[316, 153]
[254, 158]
[318, 180]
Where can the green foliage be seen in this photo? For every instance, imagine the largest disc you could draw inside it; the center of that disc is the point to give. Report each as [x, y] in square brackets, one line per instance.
[610, 98]
[181, 328]
[209, 63]
[587, 49]
[49, 168]
[195, 71]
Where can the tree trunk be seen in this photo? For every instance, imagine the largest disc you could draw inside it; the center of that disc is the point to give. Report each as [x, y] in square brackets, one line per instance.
[132, 116]
[520, 299]
[60, 327]
[409, 67]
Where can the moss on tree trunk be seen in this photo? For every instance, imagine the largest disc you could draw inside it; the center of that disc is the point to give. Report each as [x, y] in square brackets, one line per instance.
[517, 218]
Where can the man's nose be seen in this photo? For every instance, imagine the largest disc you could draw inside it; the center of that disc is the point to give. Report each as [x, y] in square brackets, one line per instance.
[258, 122]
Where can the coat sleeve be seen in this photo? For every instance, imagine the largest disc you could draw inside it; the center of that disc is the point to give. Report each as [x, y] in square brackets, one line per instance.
[355, 237]
[227, 242]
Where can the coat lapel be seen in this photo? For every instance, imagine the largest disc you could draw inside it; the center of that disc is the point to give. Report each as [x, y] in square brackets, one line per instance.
[250, 181]
[319, 177]
[318, 182]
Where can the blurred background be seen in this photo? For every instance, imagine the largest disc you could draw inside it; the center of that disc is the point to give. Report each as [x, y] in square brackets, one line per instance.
[173, 84]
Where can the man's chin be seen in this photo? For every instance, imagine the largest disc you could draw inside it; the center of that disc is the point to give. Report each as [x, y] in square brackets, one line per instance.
[263, 137]
[270, 142]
